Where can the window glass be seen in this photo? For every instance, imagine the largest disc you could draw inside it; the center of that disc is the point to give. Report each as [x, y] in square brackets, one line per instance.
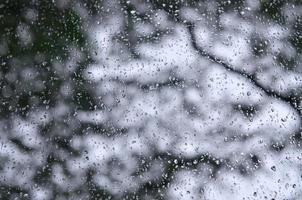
[154, 99]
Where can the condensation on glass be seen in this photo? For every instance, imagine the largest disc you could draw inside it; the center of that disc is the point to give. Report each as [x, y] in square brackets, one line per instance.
[155, 99]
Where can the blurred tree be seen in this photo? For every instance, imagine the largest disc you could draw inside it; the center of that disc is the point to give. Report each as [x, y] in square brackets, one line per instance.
[67, 134]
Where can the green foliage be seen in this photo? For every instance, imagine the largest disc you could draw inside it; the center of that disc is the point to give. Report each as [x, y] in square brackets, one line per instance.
[52, 32]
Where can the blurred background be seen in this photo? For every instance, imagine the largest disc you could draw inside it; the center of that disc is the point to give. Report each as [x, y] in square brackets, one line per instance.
[154, 99]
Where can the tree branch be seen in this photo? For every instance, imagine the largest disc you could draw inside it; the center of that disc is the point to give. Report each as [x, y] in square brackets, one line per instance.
[290, 99]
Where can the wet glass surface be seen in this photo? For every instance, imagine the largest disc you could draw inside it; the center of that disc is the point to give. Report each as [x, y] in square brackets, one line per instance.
[154, 99]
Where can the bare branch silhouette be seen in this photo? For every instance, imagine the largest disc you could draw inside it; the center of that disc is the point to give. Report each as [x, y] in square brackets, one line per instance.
[289, 99]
